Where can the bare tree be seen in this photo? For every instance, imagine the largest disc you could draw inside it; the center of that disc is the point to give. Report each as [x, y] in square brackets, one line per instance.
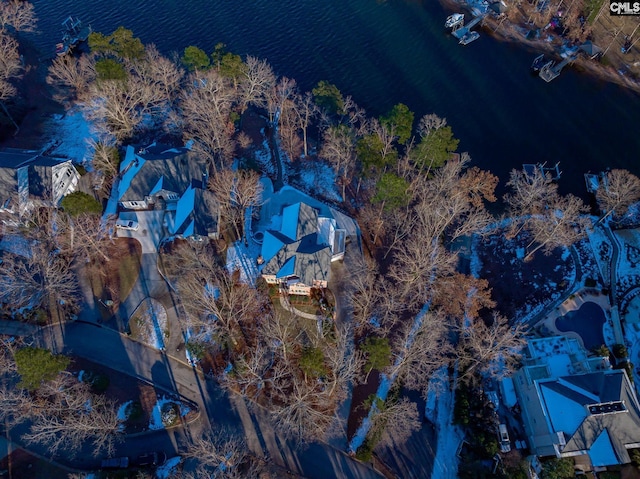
[17, 15]
[281, 331]
[119, 106]
[307, 415]
[344, 364]
[162, 72]
[10, 69]
[221, 455]
[419, 349]
[339, 149]
[306, 111]
[552, 220]
[397, 420]
[236, 191]
[216, 303]
[492, 349]
[206, 108]
[86, 236]
[43, 279]
[258, 80]
[72, 74]
[619, 190]
[68, 417]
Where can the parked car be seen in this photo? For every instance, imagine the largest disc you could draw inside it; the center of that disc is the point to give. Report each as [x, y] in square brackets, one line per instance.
[115, 463]
[503, 435]
[127, 225]
[151, 459]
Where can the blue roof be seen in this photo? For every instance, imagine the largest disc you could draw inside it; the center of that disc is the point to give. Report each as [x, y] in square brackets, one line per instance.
[290, 221]
[565, 414]
[158, 186]
[270, 246]
[287, 269]
[602, 452]
[184, 208]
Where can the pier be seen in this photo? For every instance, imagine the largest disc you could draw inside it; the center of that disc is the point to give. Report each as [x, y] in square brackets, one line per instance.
[461, 31]
[550, 71]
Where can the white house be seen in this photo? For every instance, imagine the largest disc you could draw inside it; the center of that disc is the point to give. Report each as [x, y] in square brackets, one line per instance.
[28, 179]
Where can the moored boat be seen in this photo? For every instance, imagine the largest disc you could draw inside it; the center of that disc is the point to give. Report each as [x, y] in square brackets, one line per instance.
[74, 32]
[469, 37]
[538, 63]
[453, 20]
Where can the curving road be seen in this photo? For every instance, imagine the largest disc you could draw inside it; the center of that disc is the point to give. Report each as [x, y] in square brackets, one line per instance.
[224, 412]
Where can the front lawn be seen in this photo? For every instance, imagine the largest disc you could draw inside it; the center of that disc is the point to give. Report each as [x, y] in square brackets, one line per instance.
[112, 281]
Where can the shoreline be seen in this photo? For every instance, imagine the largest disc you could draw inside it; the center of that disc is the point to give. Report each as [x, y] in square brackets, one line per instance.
[509, 32]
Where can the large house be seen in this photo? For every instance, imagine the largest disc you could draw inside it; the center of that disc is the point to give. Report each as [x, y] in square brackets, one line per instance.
[173, 180]
[28, 179]
[298, 255]
[575, 406]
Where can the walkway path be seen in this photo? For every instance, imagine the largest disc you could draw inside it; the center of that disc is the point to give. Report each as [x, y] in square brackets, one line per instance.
[284, 302]
[613, 269]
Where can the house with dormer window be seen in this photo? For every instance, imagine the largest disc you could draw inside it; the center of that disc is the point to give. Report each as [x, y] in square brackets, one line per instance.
[298, 255]
[575, 406]
[171, 179]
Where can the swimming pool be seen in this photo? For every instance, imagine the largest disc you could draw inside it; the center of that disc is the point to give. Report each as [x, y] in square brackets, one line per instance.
[587, 321]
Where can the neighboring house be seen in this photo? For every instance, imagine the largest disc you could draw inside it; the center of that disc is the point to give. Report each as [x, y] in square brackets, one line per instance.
[170, 179]
[577, 407]
[298, 256]
[28, 179]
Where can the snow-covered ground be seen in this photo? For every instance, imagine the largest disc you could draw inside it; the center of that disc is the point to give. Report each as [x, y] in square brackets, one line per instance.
[69, 135]
[319, 179]
[244, 259]
[156, 422]
[167, 469]
[151, 321]
[445, 464]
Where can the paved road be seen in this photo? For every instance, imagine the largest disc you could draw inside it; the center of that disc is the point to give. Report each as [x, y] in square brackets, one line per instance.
[219, 409]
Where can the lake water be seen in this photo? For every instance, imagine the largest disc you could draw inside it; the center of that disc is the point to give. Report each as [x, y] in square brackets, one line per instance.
[385, 52]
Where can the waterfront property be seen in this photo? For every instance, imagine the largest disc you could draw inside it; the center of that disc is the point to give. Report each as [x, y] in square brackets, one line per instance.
[576, 406]
[173, 180]
[299, 254]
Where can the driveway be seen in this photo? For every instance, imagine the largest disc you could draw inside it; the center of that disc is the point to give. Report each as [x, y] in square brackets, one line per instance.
[219, 409]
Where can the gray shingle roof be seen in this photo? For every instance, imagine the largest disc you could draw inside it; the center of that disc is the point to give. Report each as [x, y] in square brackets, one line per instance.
[175, 168]
[300, 240]
[622, 427]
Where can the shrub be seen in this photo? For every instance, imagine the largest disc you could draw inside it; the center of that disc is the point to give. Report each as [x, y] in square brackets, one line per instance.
[133, 411]
[620, 351]
[99, 381]
[170, 414]
[36, 365]
[78, 202]
[312, 362]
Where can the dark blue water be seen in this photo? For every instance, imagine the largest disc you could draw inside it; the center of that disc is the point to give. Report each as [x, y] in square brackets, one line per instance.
[385, 52]
[587, 321]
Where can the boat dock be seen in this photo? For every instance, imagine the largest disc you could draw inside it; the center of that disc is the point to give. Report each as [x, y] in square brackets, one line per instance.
[461, 31]
[550, 71]
[554, 171]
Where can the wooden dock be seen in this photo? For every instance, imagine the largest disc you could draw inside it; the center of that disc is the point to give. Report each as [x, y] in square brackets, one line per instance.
[550, 71]
[462, 29]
